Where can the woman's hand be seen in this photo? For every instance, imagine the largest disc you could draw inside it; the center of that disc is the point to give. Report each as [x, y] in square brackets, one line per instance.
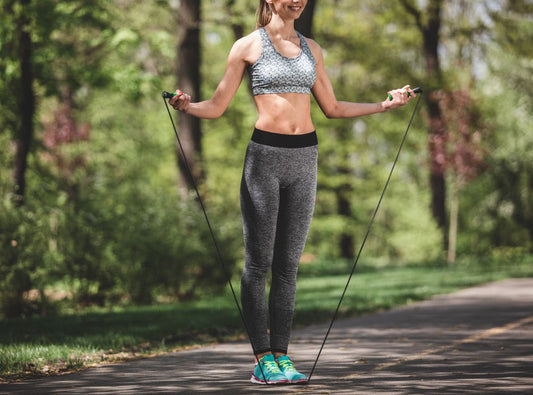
[400, 97]
[180, 102]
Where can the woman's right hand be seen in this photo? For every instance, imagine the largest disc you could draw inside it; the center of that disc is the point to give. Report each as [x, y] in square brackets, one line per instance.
[180, 102]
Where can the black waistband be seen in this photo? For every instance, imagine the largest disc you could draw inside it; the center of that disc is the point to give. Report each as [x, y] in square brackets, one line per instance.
[284, 140]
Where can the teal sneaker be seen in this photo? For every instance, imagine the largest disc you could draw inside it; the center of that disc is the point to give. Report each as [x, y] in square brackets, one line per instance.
[287, 368]
[267, 372]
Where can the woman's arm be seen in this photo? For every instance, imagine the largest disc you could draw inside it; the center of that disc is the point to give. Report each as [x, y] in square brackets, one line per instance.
[217, 104]
[332, 108]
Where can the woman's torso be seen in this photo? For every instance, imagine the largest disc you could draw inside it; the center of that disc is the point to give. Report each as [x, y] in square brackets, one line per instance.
[282, 107]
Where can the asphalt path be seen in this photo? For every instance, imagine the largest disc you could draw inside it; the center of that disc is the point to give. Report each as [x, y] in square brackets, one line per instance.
[475, 341]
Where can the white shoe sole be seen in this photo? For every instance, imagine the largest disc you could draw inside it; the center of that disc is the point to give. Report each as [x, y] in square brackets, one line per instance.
[255, 380]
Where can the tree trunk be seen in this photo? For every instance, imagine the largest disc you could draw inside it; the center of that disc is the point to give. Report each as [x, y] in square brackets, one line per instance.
[25, 104]
[304, 24]
[188, 77]
[436, 123]
[454, 219]
[429, 26]
[346, 243]
[237, 28]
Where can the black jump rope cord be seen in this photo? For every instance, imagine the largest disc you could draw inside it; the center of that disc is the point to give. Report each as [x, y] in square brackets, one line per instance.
[167, 95]
[213, 238]
[416, 90]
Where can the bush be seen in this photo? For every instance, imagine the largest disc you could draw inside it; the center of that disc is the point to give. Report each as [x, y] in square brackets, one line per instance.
[164, 247]
[106, 246]
[25, 257]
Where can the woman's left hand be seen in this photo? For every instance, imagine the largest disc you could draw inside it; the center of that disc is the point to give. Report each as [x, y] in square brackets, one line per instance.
[400, 97]
[180, 101]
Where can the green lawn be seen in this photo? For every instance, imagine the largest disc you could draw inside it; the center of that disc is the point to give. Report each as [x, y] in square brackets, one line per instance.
[47, 345]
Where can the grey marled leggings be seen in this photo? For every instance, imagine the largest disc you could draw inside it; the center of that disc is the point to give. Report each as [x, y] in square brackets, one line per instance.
[278, 191]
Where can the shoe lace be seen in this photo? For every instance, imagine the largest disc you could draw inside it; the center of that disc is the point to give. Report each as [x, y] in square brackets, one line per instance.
[271, 366]
[287, 364]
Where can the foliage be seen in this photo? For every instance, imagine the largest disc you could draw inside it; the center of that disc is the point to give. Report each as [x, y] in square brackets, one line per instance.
[356, 154]
[23, 237]
[500, 202]
[103, 221]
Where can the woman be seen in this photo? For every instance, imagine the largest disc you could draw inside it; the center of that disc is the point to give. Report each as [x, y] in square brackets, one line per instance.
[278, 185]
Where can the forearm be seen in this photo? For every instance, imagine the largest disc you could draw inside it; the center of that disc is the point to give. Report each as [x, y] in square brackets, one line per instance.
[344, 109]
[205, 109]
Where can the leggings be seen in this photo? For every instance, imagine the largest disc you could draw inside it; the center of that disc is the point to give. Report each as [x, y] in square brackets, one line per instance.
[278, 191]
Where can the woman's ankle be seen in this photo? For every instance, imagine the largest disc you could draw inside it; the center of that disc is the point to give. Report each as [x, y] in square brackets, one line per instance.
[261, 355]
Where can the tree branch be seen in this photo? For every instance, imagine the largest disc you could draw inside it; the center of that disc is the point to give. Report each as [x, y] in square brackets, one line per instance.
[415, 12]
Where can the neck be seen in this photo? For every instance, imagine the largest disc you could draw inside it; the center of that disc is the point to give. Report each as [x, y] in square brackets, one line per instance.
[280, 27]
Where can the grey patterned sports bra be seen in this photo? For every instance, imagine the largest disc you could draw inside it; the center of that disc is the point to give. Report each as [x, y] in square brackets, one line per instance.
[274, 73]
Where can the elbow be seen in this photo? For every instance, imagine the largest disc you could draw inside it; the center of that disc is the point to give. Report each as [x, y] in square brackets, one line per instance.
[216, 114]
[330, 113]
[216, 110]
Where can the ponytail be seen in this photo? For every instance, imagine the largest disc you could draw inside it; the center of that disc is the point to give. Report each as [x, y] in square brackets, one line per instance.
[263, 14]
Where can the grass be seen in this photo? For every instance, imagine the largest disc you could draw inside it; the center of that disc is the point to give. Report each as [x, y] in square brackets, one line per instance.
[50, 345]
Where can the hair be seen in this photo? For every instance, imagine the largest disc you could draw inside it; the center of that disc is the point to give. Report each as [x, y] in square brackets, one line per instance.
[263, 14]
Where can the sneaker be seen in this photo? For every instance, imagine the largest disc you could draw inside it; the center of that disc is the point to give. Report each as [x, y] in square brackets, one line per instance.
[287, 368]
[267, 372]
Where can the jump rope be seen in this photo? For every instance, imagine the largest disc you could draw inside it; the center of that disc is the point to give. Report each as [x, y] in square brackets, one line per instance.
[168, 95]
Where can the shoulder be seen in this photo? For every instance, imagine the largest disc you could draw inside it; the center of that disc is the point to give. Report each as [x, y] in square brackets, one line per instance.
[247, 48]
[248, 41]
[315, 48]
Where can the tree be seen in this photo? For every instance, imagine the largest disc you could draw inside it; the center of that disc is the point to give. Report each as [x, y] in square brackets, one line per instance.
[188, 77]
[428, 22]
[509, 100]
[25, 98]
[304, 24]
[41, 40]
[41, 61]
[463, 154]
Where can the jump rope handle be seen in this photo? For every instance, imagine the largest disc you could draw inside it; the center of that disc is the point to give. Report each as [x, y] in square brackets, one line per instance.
[416, 90]
[168, 95]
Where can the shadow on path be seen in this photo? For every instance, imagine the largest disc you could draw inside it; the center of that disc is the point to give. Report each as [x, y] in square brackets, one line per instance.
[476, 341]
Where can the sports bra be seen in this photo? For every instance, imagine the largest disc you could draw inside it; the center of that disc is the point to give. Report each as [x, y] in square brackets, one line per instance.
[274, 73]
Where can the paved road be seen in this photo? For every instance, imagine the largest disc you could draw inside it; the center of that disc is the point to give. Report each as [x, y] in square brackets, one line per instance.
[476, 341]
